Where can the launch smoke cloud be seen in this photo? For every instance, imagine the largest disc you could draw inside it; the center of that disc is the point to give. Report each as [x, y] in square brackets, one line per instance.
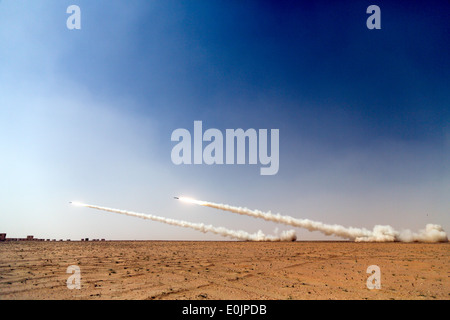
[380, 233]
[234, 234]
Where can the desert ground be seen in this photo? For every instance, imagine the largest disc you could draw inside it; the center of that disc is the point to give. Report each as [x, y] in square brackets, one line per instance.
[223, 270]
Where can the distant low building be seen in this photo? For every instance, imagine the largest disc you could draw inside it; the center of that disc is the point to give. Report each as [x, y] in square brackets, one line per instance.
[2, 236]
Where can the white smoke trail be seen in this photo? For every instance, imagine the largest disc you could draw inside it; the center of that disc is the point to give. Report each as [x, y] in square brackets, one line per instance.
[432, 233]
[235, 234]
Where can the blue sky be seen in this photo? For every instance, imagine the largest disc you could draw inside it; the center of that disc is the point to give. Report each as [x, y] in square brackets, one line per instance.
[87, 114]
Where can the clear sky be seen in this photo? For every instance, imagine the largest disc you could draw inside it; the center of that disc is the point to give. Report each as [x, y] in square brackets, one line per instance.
[88, 114]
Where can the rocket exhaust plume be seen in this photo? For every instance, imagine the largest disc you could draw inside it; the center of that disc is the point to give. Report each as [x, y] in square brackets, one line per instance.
[431, 233]
[234, 234]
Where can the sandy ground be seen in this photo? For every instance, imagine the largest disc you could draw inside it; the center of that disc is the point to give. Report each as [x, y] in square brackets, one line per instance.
[223, 270]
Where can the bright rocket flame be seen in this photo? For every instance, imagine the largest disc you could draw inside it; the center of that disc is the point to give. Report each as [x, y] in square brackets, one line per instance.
[191, 200]
[77, 204]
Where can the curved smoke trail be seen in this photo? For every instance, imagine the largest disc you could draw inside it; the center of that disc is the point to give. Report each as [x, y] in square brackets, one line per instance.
[431, 233]
[235, 234]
